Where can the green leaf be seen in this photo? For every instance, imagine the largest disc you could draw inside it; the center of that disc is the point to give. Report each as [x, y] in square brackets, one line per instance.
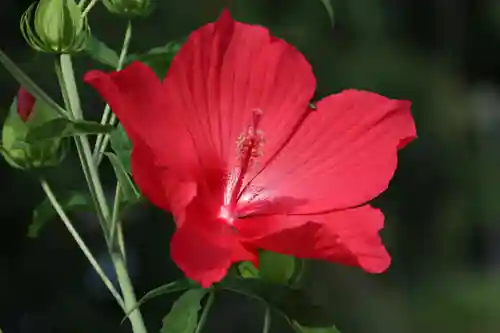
[276, 267]
[25, 81]
[63, 127]
[102, 53]
[128, 188]
[172, 287]
[183, 317]
[293, 304]
[44, 212]
[329, 10]
[158, 58]
[302, 329]
[122, 146]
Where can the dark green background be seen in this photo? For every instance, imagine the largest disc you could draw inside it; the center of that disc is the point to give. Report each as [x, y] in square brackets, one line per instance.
[443, 207]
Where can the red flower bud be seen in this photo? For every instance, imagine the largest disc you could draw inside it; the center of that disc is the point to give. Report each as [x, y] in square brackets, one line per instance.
[25, 103]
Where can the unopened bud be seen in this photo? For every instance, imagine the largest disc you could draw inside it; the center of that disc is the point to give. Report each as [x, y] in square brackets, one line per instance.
[55, 26]
[26, 113]
[129, 8]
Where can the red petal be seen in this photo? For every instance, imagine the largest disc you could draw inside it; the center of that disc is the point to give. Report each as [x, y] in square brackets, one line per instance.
[344, 154]
[137, 98]
[204, 247]
[162, 187]
[348, 237]
[224, 71]
[227, 69]
[162, 158]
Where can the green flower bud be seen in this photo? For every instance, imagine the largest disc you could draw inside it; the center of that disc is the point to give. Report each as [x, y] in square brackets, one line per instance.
[55, 26]
[129, 8]
[26, 113]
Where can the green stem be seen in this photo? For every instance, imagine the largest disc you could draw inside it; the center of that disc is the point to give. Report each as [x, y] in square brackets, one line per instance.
[115, 218]
[26, 82]
[266, 328]
[68, 75]
[95, 187]
[79, 146]
[70, 91]
[89, 7]
[103, 139]
[60, 211]
[120, 240]
[129, 297]
[81, 3]
[204, 314]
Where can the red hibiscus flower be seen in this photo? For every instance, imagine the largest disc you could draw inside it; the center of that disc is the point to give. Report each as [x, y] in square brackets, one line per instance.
[228, 143]
[25, 104]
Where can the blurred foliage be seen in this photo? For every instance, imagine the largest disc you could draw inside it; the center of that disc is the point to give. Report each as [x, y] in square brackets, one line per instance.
[442, 211]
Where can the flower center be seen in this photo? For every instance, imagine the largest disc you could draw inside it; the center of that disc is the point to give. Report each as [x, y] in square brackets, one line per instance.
[249, 147]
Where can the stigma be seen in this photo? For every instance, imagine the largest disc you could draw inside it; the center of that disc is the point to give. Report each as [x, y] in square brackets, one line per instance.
[249, 148]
